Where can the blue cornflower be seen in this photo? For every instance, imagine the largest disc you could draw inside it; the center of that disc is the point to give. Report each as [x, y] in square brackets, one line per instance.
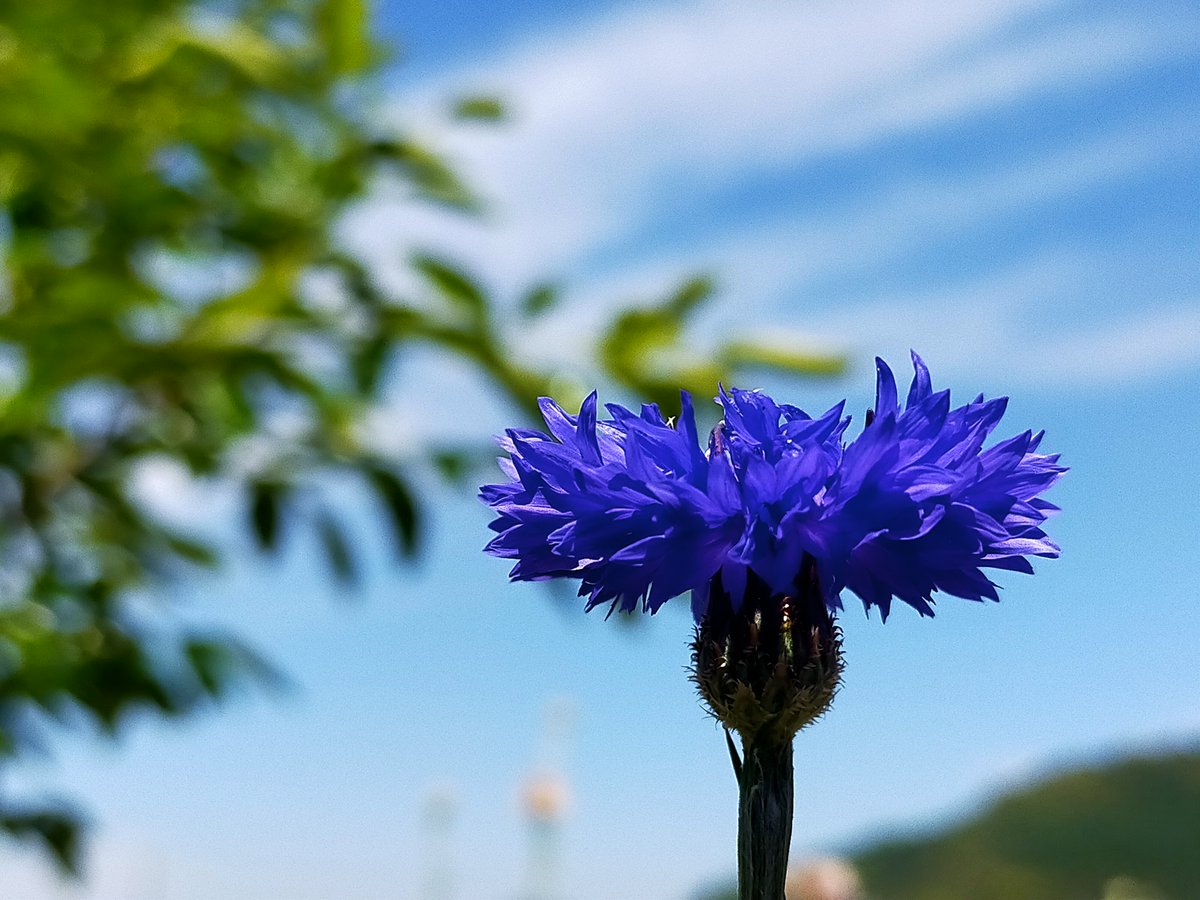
[766, 528]
[778, 505]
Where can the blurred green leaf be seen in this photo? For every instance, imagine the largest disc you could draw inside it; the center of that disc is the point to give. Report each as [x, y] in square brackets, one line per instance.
[56, 830]
[746, 354]
[238, 45]
[646, 348]
[430, 176]
[541, 298]
[401, 507]
[191, 550]
[368, 363]
[643, 347]
[337, 549]
[343, 26]
[452, 284]
[218, 662]
[266, 511]
[453, 465]
[480, 109]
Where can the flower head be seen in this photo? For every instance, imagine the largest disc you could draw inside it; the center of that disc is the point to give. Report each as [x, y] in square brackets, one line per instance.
[638, 512]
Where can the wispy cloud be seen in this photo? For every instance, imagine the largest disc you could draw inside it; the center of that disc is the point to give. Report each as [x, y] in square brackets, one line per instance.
[612, 116]
[1154, 342]
[997, 338]
[604, 114]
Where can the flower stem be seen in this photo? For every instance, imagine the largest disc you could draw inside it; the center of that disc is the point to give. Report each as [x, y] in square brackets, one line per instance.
[765, 800]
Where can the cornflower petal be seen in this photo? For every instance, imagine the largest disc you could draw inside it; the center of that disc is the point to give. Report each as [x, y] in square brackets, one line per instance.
[636, 509]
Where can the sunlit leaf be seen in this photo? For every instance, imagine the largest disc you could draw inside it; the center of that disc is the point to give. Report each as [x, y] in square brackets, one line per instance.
[344, 27]
[766, 354]
[643, 347]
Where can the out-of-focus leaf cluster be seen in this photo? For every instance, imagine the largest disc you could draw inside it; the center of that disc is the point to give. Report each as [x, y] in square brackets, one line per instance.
[645, 347]
[171, 173]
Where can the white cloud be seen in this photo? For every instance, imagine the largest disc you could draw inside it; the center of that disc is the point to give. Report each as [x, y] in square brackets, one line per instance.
[999, 325]
[967, 321]
[692, 96]
[915, 212]
[702, 93]
[1152, 343]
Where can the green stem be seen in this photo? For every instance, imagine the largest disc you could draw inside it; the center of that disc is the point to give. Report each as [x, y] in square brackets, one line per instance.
[765, 801]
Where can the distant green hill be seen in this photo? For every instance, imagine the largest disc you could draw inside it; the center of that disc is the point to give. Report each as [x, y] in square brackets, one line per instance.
[1064, 838]
[1127, 830]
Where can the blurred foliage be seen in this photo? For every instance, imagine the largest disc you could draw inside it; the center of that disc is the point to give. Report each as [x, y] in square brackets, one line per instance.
[480, 108]
[171, 174]
[1127, 830]
[645, 348]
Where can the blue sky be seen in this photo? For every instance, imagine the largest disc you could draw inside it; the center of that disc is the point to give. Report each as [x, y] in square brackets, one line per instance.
[1009, 186]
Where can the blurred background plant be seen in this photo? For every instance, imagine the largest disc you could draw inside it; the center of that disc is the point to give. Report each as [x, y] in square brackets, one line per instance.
[1062, 836]
[174, 297]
